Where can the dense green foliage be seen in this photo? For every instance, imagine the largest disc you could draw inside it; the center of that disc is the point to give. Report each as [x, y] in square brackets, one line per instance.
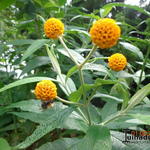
[114, 100]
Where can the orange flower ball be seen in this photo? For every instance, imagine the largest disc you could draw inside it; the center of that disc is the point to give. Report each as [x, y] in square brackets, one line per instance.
[45, 90]
[117, 62]
[53, 28]
[105, 33]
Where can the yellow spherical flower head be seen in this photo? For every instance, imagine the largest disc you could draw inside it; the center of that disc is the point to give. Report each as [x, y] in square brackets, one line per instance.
[105, 33]
[45, 90]
[117, 62]
[53, 28]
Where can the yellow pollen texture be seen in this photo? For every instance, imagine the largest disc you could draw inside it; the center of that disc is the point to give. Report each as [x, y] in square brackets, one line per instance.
[45, 90]
[53, 28]
[117, 62]
[105, 33]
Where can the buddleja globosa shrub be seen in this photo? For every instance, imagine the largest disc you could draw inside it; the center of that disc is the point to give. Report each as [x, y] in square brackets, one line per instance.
[72, 122]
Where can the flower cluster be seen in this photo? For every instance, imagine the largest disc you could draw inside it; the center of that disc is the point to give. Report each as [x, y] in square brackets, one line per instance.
[53, 28]
[105, 33]
[45, 90]
[117, 62]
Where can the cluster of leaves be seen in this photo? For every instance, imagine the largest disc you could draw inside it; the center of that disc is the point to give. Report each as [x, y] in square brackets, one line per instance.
[23, 121]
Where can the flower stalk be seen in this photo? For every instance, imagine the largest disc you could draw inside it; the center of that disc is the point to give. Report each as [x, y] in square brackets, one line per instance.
[68, 102]
[112, 119]
[67, 49]
[84, 95]
[88, 57]
[143, 67]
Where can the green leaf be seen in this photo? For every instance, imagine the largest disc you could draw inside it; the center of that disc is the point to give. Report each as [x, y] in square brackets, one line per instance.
[75, 54]
[21, 42]
[97, 137]
[130, 38]
[54, 60]
[123, 74]
[141, 63]
[5, 3]
[124, 123]
[10, 127]
[75, 96]
[132, 49]
[92, 15]
[105, 82]
[4, 144]
[143, 33]
[36, 62]
[67, 86]
[94, 114]
[122, 92]
[34, 47]
[79, 31]
[141, 10]
[28, 105]
[3, 110]
[61, 2]
[38, 115]
[95, 67]
[34, 117]
[25, 81]
[50, 3]
[105, 10]
[41, 115]
[76, 122]
[5, 120]
[137, 75]
[109, 97]
[87, 66]
[71, 71]
[109, 109]
[139, 96]
[145, 118]
[60, 144]
[54, 121]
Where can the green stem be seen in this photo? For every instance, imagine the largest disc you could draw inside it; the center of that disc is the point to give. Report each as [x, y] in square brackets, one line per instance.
[82, 81]
[88, 115]
[82, 84]
[84, 117]
[143, 67]
[68, 102]
[41, 18]
[88, 56]
[97, 58]
[84, 95]
[91, 96]
[106, 75]
[111, 119]
[119, 114]
[67, 49]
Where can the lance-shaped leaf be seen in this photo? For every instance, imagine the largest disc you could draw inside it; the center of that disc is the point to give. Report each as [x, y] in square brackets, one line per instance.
[97, 137]
[139, 96]
[54, 121]
[36, 62]
[141, 10]
[25, 81]
[34, 47]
